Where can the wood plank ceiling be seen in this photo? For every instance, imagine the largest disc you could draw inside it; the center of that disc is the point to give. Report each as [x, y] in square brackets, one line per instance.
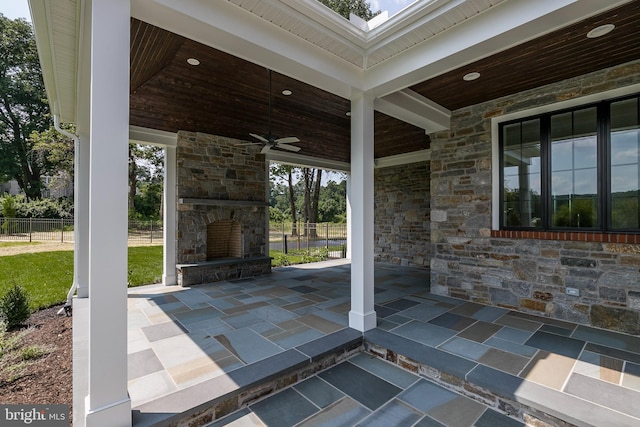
[228, 96]
[551, 58]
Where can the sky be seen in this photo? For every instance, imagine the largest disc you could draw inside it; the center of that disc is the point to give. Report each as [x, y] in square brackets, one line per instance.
[15, 9]
[392, 6]
[20, 9]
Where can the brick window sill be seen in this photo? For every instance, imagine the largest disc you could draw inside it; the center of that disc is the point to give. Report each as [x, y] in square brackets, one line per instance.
[569, 235]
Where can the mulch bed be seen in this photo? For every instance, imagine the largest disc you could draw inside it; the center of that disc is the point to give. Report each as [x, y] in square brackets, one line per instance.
[48, 379]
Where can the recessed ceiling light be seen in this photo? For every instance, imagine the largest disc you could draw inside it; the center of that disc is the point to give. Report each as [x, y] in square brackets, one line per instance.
[286, 92]
[193, 61]
[471, 76]
[600, 31]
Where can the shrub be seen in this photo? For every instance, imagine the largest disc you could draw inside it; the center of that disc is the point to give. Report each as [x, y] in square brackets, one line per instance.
[9, 206]
[14, 307]
[19, 207]
[280, 260]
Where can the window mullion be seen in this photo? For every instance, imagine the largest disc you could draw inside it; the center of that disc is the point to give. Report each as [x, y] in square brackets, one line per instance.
[545, 175]
[604, 166]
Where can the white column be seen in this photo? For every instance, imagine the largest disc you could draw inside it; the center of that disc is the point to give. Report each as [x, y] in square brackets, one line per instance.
[360, 201]
[108, 403]
[169, 226]
[349, 238]
[267, 194]
[81, 217]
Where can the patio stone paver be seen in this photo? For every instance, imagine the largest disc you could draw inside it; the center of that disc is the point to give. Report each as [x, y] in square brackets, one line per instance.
[286, 408]
[368, 389]
[480, 331]
[248, 345]
[186, 342]
[394, 413]
[429, 334]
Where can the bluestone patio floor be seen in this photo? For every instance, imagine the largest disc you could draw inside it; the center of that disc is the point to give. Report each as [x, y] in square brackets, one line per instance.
[182, 338]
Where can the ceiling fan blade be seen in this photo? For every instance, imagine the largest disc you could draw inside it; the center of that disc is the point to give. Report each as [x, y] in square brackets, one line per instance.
[260, 137]
[265, 149]
[287, 140]
[287, 147]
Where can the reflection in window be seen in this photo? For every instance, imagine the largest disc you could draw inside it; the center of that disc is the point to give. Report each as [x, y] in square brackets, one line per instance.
[521, 160]
[574, 169]
[624, 164]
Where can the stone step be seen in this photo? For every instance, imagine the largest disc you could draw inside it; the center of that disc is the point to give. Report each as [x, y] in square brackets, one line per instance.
[525, 400]
[220, 396]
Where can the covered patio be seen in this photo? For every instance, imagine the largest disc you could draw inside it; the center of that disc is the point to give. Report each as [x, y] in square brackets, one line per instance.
[429, 112]
[247, 350]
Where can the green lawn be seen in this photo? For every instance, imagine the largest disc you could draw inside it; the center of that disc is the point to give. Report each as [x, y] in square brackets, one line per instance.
[47, 276]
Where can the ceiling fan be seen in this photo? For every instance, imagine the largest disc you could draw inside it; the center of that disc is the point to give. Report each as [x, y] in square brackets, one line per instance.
[271, 140]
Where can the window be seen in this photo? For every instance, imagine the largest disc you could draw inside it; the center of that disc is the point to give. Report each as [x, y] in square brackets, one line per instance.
[576, 170]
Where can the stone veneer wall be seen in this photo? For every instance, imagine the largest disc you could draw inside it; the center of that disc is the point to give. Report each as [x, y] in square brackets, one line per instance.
[524, 274]
[402, 215]
[214, 168]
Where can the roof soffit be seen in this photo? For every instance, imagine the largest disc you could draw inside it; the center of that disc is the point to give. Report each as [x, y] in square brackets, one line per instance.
[245, 34]
[56, 26]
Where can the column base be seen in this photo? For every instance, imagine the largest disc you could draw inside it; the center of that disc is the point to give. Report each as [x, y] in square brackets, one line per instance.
[169, 280]
[117, 414]
[362, 322]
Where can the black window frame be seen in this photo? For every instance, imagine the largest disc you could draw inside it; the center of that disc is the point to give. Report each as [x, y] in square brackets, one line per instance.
[603, 152]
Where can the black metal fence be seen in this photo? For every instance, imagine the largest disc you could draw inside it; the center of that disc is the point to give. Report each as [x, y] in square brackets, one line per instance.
[311, 237]
[61, 230]
[284, 237]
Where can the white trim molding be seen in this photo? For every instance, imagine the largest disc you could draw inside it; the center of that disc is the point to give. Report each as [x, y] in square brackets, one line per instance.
[403, 159]
[306, 161]
[147, 136]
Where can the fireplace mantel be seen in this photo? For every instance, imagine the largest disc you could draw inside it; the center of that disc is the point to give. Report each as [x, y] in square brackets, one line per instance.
[218, 202]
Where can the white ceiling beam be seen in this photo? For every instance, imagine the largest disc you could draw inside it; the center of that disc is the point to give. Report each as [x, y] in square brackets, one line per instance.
[413, 108]
[403, 159]
[306, 161]
[147, 136]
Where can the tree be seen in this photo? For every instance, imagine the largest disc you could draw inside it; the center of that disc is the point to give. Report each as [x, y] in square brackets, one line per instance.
[146, 171]
[23, 107]
[295, 191]
[56, 152]
[344, 7]
[312, 180]
[332, 206]
[285, 173]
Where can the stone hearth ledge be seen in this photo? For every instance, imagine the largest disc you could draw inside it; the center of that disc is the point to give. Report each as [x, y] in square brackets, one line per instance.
[220, 202]
[222, 269]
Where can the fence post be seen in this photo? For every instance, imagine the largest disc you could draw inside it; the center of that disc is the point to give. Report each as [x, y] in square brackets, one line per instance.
[30, 227]
[151, 231]
[306, 232]
[61, 230]
[327, 234]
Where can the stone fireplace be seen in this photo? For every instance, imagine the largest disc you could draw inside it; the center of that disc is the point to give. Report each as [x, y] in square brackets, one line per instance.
[221, 219]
